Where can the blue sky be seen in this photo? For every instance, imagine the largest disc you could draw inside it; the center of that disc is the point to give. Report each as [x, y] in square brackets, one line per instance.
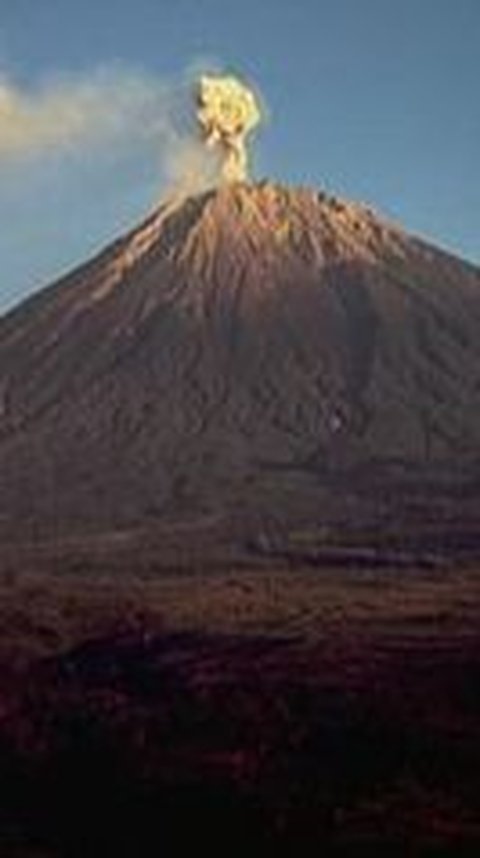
[375, 100]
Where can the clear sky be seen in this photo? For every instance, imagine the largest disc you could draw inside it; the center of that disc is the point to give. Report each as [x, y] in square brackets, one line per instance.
[375, 100]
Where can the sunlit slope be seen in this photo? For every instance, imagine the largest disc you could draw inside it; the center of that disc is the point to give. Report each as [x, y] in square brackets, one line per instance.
[253, 349]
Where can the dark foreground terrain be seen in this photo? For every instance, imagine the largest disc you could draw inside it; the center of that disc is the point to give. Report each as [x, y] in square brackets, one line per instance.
[331, 712]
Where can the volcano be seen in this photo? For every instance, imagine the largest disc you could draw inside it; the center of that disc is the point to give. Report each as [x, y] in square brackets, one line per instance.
[256, 363]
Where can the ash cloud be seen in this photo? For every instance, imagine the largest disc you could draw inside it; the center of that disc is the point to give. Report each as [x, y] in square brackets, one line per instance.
[108, 114]
[227, 112]
[119, 111]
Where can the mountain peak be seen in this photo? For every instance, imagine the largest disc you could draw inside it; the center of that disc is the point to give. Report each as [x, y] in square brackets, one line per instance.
[256, 348]
[260, 225]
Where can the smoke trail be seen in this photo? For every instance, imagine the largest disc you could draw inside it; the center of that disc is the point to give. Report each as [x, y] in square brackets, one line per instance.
[118, 110]
[189, 167]
[68, 115]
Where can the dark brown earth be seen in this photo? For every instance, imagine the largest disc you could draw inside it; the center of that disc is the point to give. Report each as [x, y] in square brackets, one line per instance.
[239, 533]
[322, 712]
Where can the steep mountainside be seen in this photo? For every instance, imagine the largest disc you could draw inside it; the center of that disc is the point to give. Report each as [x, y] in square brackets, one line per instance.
[254, 352]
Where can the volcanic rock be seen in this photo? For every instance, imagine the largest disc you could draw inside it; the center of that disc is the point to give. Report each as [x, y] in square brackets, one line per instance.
[254, 359]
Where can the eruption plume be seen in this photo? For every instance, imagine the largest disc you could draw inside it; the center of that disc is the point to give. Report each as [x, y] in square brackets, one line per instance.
[227, 111]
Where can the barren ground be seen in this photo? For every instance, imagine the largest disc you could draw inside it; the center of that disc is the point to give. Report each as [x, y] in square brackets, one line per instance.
[330, 709]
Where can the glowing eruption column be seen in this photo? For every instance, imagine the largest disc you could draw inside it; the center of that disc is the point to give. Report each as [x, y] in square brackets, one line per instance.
[227, 112]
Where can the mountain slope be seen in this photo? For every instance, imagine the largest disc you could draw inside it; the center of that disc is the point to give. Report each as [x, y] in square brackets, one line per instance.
[252, 352]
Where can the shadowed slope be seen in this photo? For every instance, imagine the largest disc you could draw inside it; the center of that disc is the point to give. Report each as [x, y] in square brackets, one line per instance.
[254, 352]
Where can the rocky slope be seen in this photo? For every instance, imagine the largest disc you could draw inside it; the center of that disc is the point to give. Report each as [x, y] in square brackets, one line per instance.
[253, 354]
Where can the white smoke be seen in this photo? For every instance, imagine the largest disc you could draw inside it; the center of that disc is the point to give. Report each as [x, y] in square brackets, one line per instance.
[189, 167]
[71, 114]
